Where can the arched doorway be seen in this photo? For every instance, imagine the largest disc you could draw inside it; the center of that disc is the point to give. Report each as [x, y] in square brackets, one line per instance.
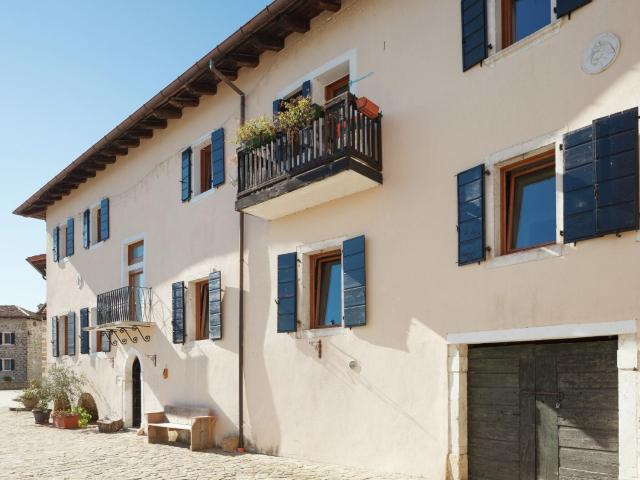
[136, 393]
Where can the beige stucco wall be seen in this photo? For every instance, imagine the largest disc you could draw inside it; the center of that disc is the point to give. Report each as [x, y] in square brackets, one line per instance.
[390, 413]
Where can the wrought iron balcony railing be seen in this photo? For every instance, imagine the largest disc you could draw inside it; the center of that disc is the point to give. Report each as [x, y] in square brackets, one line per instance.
[340, 131]
[126, 304]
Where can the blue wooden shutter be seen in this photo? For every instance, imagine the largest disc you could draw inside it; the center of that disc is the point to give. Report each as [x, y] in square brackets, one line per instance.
[277, 105]
[104, 219]
[56, 244]
[13, 338]
[471, 246]
[354, 282]
[54, 337]
[474, 32]
[215, 304]
[84, 335]
[177, 312]
[71, 334]
[217, 157]
[565, 7]
[287, 286]
[579, 185]
[186, 175]
[12, 364]
[616, 166]
[306, 89]
[70, 237]
[86, 231]
[601, 177]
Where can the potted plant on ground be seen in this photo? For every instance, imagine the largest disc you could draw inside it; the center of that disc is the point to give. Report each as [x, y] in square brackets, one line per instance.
[29, 396]
[65, 385]
[66, 419]
[41, 411]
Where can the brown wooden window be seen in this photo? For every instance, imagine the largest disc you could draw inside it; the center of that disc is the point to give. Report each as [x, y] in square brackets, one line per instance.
[63, 326]
[205, 169]
[98, 225]
[336, 88]
[326, 290]
[135, 253]
[521, 18]
[528, 198]
[202, 310]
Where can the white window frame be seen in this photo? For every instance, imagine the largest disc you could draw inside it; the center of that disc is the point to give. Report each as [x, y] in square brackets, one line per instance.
[93, 226]
[196, 148]
[6, 335]
[304, 254]
[125, 268]
[493, 207]
[3, 362]
[494, 31]
[343, 64]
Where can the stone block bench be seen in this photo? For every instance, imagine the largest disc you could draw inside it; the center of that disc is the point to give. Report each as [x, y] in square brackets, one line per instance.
[198, 422]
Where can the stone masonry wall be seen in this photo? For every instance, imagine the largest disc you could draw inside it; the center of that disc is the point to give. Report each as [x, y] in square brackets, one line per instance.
[26, 353]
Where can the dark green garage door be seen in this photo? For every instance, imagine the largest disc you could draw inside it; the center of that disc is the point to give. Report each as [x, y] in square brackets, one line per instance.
[543, 411]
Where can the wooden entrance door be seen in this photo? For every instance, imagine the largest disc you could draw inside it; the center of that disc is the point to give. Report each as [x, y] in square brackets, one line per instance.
[136, 390]
[543, 411]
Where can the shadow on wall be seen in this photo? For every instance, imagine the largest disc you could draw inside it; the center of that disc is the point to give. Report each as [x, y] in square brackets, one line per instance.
[259, 401]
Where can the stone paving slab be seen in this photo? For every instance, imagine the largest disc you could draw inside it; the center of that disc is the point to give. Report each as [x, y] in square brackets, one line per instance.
[31, 451]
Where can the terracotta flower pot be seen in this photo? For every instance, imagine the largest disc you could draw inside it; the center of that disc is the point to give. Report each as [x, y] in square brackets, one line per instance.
[66, 421]
[367, 107]
[29, 403]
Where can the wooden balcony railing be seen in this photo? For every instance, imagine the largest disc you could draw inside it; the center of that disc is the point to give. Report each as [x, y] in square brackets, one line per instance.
[126, 304]
[340, 131]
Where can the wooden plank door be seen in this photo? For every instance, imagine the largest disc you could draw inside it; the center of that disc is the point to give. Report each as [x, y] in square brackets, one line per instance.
[543, 411]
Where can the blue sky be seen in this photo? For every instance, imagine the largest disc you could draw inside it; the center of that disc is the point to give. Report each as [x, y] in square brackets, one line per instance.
[69, 72]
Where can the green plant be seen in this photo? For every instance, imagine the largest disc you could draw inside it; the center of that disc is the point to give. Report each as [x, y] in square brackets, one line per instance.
[8, 378]
[85, 417]
[31, 392]
[296, 114]
[63, 385]
[255, 132]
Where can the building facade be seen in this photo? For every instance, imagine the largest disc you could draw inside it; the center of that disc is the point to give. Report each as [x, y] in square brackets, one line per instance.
[447, 288]
[22, 334]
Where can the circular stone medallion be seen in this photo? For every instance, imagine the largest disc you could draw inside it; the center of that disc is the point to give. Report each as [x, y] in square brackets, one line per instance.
[600, 53]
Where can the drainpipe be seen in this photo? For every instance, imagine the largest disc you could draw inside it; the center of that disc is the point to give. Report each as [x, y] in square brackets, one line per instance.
[233, 87]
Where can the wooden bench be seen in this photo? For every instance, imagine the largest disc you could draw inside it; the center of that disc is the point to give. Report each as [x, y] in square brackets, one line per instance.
[198, 422]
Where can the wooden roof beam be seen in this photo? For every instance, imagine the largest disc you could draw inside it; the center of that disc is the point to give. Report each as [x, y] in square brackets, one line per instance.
[168, 112]
[115, 150]
[141, 132]
[265, 42]
[182, 102]
[331, 5]
[296, 24]
[153, 122]
[128, 142]
[244, 60]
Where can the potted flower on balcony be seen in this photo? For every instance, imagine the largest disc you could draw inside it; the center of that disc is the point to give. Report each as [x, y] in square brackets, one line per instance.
[255, 133]
[295, 119]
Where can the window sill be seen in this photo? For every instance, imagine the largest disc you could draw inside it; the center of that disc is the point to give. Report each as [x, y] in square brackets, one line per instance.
[323, 332]
[533, 255]
[203, 195]
[96, 245]
[534, 39]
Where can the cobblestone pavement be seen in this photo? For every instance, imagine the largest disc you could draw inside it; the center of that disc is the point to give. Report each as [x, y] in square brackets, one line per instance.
[31, 451]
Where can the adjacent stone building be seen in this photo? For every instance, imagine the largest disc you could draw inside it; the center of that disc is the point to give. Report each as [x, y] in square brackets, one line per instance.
[21, 335]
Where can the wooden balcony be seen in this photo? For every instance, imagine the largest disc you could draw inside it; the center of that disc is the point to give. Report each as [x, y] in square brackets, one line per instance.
[339, 154]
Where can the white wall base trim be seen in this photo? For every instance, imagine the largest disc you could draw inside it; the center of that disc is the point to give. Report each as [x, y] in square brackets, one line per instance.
[578, 330]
